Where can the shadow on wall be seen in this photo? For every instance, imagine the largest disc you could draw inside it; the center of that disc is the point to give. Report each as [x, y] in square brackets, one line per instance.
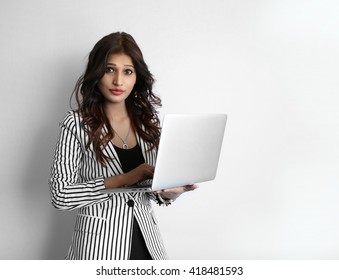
[50, 230]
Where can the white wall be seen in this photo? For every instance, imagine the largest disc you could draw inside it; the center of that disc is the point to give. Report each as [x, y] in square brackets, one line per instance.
[271, 65]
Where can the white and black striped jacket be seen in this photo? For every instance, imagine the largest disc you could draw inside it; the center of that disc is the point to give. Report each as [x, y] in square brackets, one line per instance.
[103, 228]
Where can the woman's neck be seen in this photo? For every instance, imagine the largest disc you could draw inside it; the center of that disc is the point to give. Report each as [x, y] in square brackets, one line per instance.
[116, 112]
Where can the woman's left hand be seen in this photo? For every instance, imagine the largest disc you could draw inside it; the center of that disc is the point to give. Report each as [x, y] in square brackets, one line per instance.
[174, 193]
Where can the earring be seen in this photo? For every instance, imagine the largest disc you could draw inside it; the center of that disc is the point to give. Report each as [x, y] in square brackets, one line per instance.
[144, 94]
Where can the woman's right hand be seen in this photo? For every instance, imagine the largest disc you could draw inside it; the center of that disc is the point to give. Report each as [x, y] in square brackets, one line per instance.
[142, 172]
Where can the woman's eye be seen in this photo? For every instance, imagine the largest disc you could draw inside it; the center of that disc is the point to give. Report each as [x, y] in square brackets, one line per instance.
[128, 72]
[109, 70]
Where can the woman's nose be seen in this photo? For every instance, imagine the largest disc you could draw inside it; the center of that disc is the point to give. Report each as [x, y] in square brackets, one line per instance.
[117, 80]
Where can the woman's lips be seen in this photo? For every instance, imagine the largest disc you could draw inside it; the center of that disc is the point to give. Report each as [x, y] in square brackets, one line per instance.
[116, 91]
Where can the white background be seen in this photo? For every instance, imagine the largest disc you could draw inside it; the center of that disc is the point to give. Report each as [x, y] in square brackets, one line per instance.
[272, 66]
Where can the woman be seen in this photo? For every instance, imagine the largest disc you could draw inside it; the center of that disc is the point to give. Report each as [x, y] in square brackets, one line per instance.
[110, 141]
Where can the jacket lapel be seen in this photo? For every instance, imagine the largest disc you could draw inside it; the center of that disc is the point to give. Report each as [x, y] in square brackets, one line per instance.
[113, 162]
[149, 156]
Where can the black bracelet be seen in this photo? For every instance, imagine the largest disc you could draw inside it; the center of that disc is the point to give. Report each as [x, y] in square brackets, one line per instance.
[162, 201]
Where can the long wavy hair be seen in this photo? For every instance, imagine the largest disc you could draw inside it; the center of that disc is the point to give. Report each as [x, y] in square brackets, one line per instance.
[141, 104]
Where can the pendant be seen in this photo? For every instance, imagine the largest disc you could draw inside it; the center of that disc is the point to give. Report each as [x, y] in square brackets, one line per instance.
[125, 146]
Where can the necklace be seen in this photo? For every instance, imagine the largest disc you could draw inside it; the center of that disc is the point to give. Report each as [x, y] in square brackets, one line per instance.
[125, 145]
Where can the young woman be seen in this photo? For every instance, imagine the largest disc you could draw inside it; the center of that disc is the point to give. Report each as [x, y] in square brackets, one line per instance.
[109, 141]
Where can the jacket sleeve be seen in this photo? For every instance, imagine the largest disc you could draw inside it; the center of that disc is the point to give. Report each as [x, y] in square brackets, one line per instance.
[67, 189]
[153, 196]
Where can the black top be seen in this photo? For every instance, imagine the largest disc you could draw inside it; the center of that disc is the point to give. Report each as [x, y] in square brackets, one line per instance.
[130, 158]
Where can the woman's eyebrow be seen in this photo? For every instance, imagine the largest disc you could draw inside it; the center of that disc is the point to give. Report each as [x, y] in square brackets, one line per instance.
[126, 65]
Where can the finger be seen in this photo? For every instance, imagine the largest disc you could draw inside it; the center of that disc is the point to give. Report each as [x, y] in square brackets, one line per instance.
[171, 190]
[182, 189]
[190, 187]
[151, 169]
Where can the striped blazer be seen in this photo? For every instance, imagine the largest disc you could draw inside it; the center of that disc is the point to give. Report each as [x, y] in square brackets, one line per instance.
[103, 226]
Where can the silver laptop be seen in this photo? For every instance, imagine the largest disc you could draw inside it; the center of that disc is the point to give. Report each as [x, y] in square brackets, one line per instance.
[189, 152]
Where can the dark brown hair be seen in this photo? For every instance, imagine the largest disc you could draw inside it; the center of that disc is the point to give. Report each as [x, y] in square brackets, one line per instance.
[141, 103]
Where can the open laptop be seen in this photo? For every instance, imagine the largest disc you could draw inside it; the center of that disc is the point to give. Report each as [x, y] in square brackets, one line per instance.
[188, 153]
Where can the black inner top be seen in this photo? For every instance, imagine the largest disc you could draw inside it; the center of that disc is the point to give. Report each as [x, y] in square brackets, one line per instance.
[130, 159]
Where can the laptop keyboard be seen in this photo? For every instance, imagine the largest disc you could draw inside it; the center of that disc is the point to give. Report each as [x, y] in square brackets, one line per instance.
[145, 183]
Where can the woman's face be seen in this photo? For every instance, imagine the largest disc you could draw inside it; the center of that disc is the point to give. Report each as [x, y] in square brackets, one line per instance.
[119, 78]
